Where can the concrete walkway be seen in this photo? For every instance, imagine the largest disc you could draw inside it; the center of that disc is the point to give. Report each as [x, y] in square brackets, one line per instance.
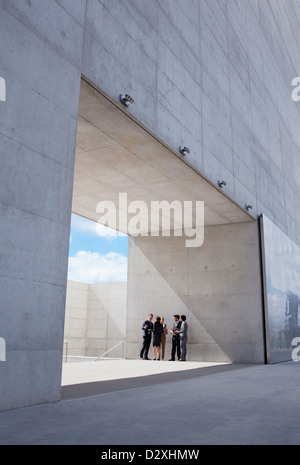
[109, 369]
[78, 378]
[224, 405]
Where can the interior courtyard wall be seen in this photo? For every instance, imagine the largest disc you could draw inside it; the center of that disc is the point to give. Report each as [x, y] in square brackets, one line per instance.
[217, 286]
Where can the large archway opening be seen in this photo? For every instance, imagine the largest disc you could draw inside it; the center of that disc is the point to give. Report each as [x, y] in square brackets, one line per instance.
[216, 284]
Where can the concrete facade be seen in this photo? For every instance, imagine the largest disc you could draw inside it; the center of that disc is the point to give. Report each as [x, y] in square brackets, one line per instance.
[212, 75]
[95, 319]
[38, 133]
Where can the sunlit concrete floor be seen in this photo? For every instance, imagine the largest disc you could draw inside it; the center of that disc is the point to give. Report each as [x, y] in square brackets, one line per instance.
[113, 369]
[106, 375]
[226, 404]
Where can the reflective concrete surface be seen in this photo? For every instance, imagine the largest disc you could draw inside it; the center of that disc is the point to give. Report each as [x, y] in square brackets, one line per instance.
[247, 405]
[282, 259]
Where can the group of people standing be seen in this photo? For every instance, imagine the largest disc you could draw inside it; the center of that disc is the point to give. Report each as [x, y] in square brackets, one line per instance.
[159, 330]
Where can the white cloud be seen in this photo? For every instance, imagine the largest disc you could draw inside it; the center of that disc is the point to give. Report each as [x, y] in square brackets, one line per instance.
[93, 229]
[92, 267]
[106, 232]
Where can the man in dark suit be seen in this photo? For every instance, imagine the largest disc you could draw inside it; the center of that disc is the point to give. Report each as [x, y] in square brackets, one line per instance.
[147, 333]
[182, 332]
[175, 339]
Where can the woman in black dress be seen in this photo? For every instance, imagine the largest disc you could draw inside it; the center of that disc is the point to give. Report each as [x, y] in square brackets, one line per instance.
[158, 330]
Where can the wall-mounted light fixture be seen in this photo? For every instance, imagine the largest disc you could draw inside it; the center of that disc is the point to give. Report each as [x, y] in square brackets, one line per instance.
[126, 99]
[248, 207]
[222, 183]
[184, 150]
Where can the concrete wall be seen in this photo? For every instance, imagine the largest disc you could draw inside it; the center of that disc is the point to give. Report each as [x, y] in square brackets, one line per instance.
[216, 77]
[95, 319]
[217, 286]
[76, 317]
[213, 75]
[41, 52]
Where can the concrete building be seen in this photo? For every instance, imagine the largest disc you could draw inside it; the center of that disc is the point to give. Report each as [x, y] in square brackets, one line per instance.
[213, 76]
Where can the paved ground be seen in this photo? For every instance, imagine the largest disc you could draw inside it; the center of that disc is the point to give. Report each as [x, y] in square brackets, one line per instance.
[210, 405]
[106, 375]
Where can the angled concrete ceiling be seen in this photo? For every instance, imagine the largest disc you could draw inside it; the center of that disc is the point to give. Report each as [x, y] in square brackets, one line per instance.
[115, 154]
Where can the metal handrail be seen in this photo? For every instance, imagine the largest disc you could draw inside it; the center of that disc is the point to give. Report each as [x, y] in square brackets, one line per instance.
[114, 347]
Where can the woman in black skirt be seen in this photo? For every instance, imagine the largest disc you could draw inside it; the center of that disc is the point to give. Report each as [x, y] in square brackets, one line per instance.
[158, 330]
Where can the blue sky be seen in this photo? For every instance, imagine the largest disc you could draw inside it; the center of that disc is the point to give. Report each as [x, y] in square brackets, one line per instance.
[96, 253]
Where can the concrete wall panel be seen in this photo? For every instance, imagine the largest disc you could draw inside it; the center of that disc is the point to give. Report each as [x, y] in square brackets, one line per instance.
[214, 76]
[95, 318]
[40, 61]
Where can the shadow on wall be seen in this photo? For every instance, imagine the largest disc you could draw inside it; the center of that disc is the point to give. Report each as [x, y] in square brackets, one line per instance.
[217, 286]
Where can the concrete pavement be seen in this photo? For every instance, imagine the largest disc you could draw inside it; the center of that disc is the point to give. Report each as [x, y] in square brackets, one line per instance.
[230, 405]
[114, 369]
